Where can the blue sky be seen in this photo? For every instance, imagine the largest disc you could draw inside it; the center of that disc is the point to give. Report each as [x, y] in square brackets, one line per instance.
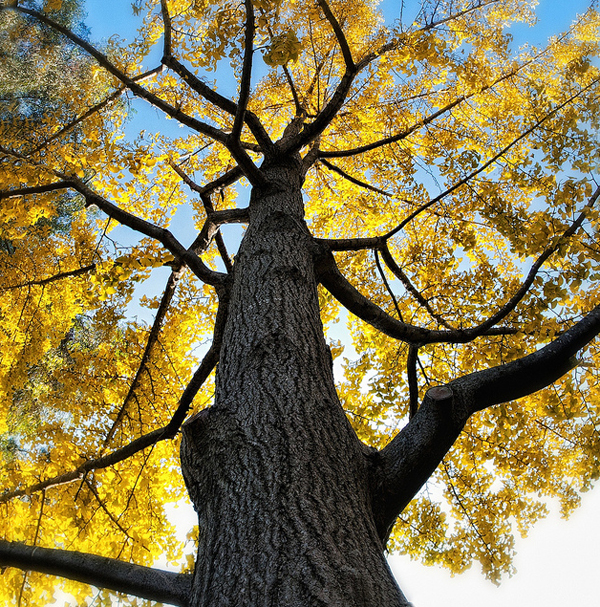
[558, 563]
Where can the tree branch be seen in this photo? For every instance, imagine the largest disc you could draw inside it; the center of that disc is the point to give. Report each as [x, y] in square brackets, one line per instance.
[413, 384]
[147, 440]
[95, 109]
[351, 179]
[214, 219]
[143, 582]
[79, 473]
[332, 279]
[387, 284]
[512, 303]
[242, 103]
[328, 113]
[529, 374]
[394, 44]
[423, 122]
[39, 189]
[390, 262]
[339, 34]
[50, 279]
[254, 124]
[129, 82]
[164, 236]
[159, 318]
[404, 465]
[487, 164]
[204, 370]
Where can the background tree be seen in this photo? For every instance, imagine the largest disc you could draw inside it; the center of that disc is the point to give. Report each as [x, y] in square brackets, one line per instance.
[430, 179]
[37, 68]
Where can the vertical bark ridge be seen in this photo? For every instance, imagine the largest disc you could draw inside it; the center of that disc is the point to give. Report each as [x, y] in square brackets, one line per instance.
[276, 473]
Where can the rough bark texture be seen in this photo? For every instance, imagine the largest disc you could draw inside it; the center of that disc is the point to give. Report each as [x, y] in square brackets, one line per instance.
[278, 477]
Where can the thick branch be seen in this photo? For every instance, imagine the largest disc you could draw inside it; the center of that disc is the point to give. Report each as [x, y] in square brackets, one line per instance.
[40, 189]
[339, 34]
[529, 374]
[410, 458]
[412, 380]
[333, 280]
[240, 113]
[103, 572]
[214, 219]
[325, 116]
[165, 237]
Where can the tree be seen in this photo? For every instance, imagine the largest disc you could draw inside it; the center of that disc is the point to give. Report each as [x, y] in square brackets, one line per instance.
[472, 310]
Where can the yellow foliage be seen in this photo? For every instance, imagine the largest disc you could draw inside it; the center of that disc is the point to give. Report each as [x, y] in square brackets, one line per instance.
[439, 103]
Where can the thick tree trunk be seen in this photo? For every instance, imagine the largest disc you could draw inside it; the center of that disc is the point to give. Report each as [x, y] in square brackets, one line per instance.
[278, 477]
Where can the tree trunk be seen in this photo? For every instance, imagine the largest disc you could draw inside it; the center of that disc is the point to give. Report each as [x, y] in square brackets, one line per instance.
[278, 477]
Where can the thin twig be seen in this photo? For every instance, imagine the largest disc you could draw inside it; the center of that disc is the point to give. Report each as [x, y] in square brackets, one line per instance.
[387, 285]
[390, 262]
[50, 279]
[491, 161]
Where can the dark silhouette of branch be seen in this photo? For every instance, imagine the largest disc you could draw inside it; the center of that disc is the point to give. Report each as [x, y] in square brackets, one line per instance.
[333, 280]
[40, 189]
[256, 127]
[390, 262]
[162, 235]
[426, 120]
[413, 385]
[411, 457]
[511, 304]
[95, 109]
[143, 582]
[50, 279]
[242, 103]
[339, 34]
[351, 179]
[147, 440]
[387, 284]
[214, 219]
[491, 161]
[393, 138]
[159, 318]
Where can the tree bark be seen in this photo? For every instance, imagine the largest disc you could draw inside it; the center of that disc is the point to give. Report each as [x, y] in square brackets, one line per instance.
[276, 473]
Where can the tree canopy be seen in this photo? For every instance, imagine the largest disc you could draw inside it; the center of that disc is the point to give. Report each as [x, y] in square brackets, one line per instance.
[450, 189]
